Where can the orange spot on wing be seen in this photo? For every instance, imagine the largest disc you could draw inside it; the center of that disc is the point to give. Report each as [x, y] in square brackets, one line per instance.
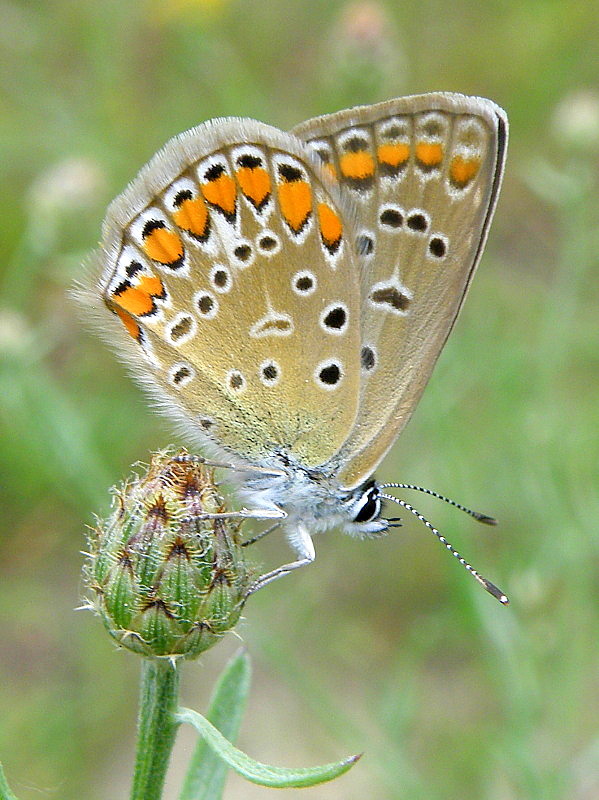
[428, 154]
[295, 199]
[163, 246]
[463, 170]
[357, 165]
[130, 324]
[331, 227]
[255, 184]
[221, 193]
[192, 216]
[151, 285]
[135, 301]
[393, 154]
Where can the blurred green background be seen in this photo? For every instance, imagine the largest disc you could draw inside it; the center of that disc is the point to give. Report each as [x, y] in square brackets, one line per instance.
[382, 646]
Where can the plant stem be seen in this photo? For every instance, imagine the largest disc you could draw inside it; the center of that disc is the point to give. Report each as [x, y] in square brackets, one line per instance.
[156, 728]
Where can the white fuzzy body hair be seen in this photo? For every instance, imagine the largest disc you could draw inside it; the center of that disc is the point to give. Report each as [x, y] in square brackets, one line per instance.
[312, 501]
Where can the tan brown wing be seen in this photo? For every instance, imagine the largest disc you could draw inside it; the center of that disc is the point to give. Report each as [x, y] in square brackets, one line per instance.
[424, 172]
[230, 266]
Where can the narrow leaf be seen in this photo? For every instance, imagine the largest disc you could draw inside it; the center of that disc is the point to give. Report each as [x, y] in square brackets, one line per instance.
[5, 793]
[263, 774]
[205, 779]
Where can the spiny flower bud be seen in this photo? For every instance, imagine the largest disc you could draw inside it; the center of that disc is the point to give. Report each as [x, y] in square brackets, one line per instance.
[167, 579]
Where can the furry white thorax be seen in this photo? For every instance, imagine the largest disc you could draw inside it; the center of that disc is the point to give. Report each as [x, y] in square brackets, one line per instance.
[311, 500]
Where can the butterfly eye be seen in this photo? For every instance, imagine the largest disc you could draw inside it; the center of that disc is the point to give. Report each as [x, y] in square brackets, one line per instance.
[368, 506]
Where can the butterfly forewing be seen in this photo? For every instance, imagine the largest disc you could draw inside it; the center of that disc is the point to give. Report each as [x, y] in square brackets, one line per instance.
[229, 262]
[424, 173]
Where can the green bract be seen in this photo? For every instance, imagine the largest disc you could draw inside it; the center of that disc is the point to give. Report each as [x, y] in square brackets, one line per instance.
[166, 578]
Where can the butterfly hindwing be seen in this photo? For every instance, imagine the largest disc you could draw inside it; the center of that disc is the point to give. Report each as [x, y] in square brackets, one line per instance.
[424, 173]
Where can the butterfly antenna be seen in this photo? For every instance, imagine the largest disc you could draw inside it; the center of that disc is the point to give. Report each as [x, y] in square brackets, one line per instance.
[476, 514]
[490, 587]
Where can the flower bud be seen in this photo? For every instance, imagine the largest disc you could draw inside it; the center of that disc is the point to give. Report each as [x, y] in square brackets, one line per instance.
[167, 579]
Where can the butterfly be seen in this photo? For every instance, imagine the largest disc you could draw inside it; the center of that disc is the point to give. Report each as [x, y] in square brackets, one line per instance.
[284, 296]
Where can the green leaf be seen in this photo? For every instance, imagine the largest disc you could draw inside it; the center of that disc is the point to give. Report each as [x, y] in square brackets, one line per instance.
[5, 793]
[263, 774]
[205, 779]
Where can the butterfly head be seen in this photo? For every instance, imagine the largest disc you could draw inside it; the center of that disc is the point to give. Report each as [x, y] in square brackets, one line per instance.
[363, 508]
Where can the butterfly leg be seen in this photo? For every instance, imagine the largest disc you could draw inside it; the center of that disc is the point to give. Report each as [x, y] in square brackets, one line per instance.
[302, 541]
[261, 535]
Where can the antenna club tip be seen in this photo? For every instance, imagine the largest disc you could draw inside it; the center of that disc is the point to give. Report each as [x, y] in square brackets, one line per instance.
[486, 520]
[497, 593]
